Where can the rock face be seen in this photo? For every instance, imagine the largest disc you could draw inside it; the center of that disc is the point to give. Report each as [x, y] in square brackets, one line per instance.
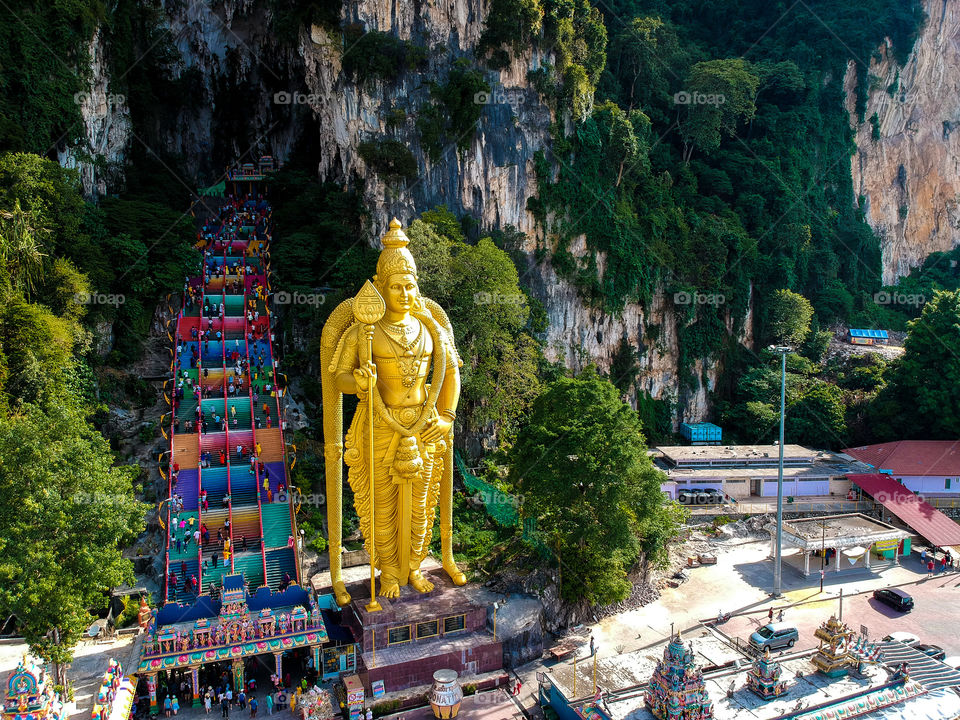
[229, 49]
[909, 178]
[106, 124]
[491, 179]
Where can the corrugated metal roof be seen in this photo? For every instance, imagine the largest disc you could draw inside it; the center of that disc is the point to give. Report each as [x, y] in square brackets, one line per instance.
[869, 333]
[906, 458]
[925, 520]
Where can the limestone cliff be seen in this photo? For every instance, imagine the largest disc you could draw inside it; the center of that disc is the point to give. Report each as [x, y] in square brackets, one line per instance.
[909, 177]
[240, 69]
[100, 155]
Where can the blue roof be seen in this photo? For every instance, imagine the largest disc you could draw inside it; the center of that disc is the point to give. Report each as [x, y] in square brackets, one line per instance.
[869, 333]
[700, 425]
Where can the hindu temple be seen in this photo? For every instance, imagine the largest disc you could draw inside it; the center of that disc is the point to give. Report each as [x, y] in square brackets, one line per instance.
[764, 677]
[30, 694]
[676, 690]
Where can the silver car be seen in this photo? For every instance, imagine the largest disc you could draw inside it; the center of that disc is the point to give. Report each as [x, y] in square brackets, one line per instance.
[775, 636]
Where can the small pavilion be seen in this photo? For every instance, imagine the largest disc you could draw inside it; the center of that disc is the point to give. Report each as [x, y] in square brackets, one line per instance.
[837, 542]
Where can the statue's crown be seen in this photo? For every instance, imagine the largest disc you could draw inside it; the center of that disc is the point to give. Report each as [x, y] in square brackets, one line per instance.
[395, 257]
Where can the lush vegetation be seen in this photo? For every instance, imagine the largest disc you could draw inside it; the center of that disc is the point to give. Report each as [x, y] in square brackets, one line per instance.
[581, 466]
[375, 55]
[67, 508]
[389, 158]
[715, 158]
[451, 120]
[920, 398]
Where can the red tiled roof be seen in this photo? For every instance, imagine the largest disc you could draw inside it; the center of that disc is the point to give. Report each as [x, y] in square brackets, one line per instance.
[925, 520]
[912, 457]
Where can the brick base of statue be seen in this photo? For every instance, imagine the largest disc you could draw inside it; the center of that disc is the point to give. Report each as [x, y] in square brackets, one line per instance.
[417, 634]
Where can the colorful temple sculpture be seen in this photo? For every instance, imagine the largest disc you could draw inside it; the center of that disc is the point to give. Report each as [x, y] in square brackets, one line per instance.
[764, 677]
[240, 626]
[676, 690]
[833, 658]
[30, 694]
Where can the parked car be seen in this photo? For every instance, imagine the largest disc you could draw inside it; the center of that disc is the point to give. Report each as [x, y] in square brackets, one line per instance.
[953, 661]
[686, 496]
[775, 636]
[895, 598]
[699, 496]
[711, 496]
[934, 651]
[907, 638]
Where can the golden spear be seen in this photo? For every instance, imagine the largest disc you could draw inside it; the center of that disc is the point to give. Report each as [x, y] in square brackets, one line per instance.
[368, 308]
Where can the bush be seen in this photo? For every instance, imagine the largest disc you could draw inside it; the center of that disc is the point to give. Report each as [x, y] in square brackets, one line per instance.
[458, 98]
[148, 432]
[385, 708]
[389, 158]
[378, 55]
[130, 613]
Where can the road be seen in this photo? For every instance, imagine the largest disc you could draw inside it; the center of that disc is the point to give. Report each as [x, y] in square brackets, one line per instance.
[740, 583]
[935, 618]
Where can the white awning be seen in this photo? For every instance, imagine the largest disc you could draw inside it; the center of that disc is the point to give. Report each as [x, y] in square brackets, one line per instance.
[855, 551]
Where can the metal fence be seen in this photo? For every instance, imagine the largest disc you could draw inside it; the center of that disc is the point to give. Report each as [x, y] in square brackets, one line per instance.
[757, 508]
[501, 506]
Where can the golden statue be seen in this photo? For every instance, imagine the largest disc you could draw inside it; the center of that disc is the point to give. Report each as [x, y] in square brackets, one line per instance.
[392, 338]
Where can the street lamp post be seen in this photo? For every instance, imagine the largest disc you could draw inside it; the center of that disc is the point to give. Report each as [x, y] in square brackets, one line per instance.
[823, 551]
[778, 558]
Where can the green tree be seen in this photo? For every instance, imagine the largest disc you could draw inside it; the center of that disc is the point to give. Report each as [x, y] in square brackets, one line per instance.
[818, 417]
[581, 465]
[65, 513]
[788, 317]
[642, 56]
[721, 96]
[923, 383]
[21, 247]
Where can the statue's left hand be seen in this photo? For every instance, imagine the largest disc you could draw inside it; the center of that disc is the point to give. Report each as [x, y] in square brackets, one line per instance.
[436, 429]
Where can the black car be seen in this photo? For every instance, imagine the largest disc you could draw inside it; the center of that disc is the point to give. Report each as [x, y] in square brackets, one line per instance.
[699, 496]
[895, 598]
[934, 651]
[688, 496]
[711, 496]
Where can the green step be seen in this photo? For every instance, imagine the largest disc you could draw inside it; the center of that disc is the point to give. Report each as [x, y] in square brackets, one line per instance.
[276, 524]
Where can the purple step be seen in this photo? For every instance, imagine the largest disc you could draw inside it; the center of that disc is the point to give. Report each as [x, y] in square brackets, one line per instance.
[187, 487]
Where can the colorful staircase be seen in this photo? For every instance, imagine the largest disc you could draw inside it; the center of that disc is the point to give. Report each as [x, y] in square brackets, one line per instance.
[225, 407]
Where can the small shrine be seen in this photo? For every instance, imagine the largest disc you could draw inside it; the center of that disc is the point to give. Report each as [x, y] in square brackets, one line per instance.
[30, 694]
[676, 690]
[834, 658]
[764, 677]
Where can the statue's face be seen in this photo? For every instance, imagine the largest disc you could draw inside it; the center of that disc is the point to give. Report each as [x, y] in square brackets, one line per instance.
[401, 292]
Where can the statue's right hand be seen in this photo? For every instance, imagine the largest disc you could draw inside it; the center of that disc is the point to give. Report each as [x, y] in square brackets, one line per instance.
[364, 374]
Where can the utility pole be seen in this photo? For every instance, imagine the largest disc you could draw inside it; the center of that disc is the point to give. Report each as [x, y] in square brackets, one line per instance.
[823, 551]
[778, 558]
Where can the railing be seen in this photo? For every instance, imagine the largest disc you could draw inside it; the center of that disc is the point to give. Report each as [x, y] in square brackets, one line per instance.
[942, 502]
[226, 409]
[283, 445]
[253, 415]
[759, 508]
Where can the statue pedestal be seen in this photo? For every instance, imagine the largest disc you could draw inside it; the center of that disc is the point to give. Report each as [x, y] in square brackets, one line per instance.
[416, 634]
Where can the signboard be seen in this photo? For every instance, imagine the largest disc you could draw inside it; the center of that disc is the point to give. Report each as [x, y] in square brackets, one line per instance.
[863, 631]
[378, 688]
[884, 545]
